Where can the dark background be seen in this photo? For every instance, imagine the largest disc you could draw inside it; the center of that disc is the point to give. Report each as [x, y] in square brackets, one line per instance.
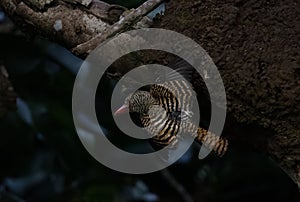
[42, 158]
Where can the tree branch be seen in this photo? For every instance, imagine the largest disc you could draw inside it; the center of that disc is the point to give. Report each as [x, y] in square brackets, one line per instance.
[129, 20]
[254, 44]
[78, 25]
[61, 21]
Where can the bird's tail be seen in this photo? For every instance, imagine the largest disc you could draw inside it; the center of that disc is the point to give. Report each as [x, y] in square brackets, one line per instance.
[212, 141]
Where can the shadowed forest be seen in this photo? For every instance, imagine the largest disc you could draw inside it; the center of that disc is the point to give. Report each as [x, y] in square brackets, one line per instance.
[42, 158]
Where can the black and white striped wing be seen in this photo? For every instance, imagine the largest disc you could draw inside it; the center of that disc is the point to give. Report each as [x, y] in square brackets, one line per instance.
[176, 97]
[161, 126]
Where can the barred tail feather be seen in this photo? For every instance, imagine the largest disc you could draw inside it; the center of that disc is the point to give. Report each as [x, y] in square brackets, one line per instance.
[210, 140]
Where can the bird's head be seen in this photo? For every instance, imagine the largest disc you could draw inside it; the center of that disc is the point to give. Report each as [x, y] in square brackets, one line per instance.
[138, 102]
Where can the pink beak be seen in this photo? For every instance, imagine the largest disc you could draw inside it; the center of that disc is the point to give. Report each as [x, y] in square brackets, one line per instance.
[121, 110]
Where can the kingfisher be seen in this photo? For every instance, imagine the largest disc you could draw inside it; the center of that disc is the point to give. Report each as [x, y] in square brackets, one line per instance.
[165, 110]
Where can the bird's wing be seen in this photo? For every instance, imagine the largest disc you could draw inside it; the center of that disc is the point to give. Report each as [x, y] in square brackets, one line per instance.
[175, 96]
[169, 131]
[180, 68]
[158, 123]
[165, 129]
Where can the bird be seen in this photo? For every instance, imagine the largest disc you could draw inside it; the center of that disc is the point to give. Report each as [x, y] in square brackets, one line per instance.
[165, 110]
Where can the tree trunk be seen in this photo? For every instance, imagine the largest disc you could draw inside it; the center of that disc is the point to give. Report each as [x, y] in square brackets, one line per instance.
[254, 43]
[256, 47]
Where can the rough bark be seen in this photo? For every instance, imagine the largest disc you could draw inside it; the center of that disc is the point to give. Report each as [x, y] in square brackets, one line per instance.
[64, 22]
[254, 43]
[128, 20]
[256, 46]
[77, 25]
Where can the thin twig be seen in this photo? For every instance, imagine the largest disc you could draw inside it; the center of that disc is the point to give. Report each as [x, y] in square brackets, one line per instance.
[128, 20]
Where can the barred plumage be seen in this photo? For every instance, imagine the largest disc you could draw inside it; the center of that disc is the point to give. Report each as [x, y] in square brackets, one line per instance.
[165, 111]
